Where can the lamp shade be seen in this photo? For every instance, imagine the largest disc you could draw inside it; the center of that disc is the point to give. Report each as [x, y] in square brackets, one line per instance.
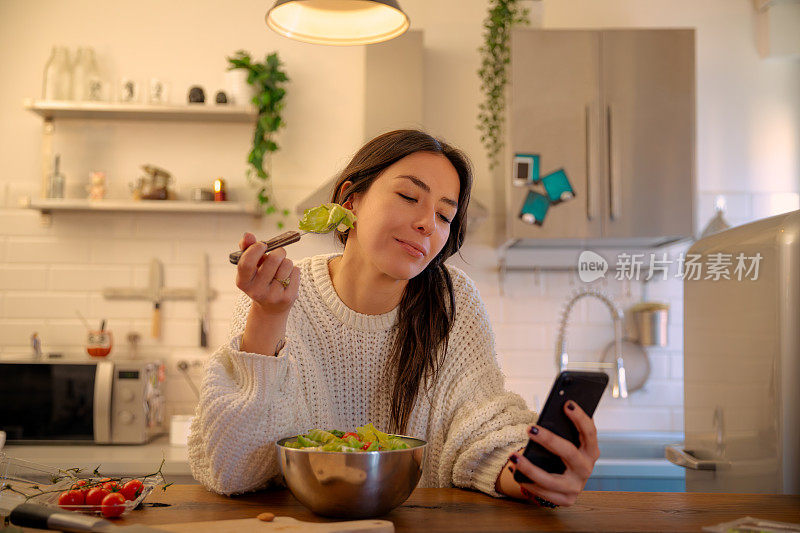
[338, 22]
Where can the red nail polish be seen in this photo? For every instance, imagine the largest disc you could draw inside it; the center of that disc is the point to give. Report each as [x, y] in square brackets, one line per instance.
[513, 459]
[534, 430]
[571, 405]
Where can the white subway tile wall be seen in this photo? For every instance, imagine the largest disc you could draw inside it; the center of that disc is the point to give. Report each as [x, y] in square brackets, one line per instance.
[49, 274]
[526, 318]
[746, 159]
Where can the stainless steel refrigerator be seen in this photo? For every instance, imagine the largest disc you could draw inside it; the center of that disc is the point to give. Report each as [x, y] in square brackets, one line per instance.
[742, 361]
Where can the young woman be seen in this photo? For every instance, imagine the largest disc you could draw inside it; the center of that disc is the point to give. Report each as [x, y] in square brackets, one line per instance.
[384, 332]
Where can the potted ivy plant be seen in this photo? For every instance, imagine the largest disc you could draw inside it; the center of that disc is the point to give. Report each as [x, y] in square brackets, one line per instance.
[495, 56]
[267, 79]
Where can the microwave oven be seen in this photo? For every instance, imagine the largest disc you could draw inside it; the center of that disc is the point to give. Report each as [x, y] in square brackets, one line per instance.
[100, 402]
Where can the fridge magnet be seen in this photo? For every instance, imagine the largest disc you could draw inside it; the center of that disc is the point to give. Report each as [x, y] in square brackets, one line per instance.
[558, 187]
[534, 209]
[526, 169]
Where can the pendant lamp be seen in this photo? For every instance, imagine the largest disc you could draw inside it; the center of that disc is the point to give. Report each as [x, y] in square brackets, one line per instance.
[338, 22]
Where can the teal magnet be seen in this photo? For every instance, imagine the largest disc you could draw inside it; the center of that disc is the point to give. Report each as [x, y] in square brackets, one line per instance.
[535, 208]
[557, 186]
[526, 169]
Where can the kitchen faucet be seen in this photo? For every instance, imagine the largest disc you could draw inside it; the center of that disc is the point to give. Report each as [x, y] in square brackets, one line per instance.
[619, 388]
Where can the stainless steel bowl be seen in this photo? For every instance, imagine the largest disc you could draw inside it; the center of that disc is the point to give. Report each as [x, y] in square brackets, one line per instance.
[354, 484]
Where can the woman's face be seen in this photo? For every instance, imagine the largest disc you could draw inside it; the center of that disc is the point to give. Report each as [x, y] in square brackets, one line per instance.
[404, 216]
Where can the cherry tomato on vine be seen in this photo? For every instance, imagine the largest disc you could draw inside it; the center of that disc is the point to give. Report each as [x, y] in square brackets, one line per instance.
[81, 485]
[95, 496]
[113, 505]
[70, 498]
[132, 489]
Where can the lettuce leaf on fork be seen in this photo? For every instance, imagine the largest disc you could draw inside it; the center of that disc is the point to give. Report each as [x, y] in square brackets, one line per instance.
[326, 218]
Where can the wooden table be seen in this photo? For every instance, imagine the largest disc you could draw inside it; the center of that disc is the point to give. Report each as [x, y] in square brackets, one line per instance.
[464, 510]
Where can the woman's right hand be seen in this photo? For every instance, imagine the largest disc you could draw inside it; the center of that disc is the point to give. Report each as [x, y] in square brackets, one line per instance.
[258, 275]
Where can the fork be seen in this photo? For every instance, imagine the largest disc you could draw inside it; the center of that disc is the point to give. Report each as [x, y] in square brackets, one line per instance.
[284, 239]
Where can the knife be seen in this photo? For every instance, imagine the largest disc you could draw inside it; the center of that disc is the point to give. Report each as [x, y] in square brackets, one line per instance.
[202, 299]
[43, 517]
[156, 284]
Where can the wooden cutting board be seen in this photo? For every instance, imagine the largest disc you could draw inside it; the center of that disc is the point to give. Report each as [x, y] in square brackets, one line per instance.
[280, 523]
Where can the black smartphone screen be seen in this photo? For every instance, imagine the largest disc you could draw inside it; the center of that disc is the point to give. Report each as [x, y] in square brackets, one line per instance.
[585, 389]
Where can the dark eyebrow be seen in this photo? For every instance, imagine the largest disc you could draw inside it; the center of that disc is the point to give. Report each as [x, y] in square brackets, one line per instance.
[424, 186]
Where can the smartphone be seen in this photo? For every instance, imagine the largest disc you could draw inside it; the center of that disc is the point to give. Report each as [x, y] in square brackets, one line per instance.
[582, 387]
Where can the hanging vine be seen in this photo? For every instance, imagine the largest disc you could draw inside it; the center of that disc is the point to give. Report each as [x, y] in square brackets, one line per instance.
[495, 56]
[268, 79]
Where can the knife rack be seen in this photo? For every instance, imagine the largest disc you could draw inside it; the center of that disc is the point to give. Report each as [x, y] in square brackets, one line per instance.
[157, 293]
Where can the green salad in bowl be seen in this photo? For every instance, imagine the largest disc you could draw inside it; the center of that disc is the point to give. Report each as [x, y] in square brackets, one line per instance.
[365, 439]
[360, 474]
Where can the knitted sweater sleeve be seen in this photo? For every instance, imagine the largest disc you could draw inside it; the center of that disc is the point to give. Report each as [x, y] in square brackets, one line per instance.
[247, 402]
[483, 422]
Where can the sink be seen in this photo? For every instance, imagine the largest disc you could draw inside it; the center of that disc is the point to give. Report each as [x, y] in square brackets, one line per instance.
[634, 461]
[636, 445]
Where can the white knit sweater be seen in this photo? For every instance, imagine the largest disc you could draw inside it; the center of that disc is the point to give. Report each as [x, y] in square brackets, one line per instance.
[328, 376]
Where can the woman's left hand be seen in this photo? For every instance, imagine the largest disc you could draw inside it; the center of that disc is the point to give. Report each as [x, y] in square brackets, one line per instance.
[561, 489]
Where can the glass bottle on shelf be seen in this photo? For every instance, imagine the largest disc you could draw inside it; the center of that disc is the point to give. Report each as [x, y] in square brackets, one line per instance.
[79, 81]
[57, 75]
[49, 78]
[65, 75]
[56, 181]
[85, 77]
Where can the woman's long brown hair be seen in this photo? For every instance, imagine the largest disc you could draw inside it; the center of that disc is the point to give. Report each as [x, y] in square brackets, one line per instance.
[427, 307]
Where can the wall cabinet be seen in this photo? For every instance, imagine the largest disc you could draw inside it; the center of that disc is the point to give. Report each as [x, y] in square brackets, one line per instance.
[615, 109]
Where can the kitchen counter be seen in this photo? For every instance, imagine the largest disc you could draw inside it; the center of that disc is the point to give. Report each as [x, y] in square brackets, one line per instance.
[631, 461]
[464, 510]
[114, 460]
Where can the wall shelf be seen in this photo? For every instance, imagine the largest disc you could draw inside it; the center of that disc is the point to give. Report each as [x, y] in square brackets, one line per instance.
[50, 205]
[51, 109]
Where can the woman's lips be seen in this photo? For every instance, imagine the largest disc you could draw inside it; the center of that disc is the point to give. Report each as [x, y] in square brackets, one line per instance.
[410, 249]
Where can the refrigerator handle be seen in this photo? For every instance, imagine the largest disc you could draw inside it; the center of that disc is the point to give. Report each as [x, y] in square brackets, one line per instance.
[680, 456]
[613, 171]
[589, 197]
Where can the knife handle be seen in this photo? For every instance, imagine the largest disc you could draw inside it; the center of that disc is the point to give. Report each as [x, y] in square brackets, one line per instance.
[156, 320]
[43, 517]
[280, 241]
